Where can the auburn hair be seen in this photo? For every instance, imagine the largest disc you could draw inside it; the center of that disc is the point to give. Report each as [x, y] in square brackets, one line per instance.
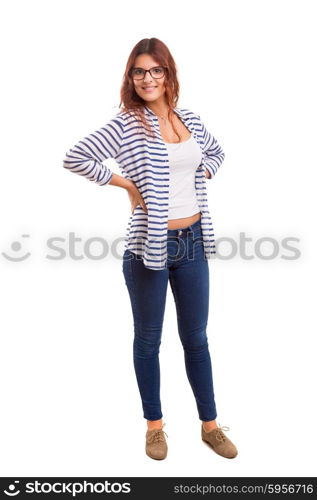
[130, 100]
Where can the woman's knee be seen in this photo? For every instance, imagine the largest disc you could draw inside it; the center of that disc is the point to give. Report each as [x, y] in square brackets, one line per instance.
[147, 342]
[195, 345]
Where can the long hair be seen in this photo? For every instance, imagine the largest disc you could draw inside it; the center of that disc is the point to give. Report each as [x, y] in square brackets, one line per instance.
[130, 100]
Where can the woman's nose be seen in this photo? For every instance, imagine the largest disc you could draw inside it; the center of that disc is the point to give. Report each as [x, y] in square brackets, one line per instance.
[147, 78]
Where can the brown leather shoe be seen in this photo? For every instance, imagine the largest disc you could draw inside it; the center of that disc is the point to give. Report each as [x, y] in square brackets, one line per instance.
[156, 446]
[219, 442]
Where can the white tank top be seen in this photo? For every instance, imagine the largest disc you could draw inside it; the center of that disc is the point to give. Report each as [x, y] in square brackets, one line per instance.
[184, 158]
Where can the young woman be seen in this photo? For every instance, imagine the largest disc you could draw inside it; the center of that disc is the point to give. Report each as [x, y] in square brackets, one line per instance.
[165, 154]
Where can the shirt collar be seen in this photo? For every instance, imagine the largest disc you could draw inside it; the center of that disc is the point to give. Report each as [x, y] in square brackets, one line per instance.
[150, 112]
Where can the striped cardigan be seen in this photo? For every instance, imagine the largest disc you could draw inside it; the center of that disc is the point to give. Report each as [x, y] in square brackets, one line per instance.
[144, 160]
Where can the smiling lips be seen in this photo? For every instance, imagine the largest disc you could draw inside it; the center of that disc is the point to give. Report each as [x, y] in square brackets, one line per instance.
[148, 89]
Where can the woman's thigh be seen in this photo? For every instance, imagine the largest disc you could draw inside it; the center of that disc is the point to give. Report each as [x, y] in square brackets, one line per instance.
[147, 289]
[189, 280]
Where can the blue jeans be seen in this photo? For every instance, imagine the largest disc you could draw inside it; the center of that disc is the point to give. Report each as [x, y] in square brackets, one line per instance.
[188, 273]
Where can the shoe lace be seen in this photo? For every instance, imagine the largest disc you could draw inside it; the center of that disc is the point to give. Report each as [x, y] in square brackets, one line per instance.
[220, 436]
[158, 435]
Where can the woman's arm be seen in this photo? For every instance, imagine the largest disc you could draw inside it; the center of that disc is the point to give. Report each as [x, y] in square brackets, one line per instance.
[133, 192]
[213, 152]
[85, 158]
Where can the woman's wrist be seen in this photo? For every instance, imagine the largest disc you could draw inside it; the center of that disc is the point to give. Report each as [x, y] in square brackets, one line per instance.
[131, 187]
[120, 181]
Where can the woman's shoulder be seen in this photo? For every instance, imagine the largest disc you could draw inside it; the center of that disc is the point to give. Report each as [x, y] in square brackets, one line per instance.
[188, 113]
[127, 117]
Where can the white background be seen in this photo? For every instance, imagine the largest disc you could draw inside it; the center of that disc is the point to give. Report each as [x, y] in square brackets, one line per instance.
[70, 402]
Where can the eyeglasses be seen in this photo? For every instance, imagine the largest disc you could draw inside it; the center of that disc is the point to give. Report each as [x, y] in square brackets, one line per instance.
[156, 72]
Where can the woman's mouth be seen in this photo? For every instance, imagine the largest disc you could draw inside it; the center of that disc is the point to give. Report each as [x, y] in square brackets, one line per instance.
[149, 89]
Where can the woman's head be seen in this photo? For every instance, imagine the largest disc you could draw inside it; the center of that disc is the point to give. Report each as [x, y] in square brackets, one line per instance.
[149, 78]
[149, 54]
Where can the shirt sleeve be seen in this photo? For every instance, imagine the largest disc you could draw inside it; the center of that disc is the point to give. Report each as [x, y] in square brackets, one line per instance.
[213, 152]
[86, 157]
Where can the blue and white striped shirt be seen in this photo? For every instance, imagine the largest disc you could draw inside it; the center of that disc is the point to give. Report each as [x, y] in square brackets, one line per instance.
[144, 160]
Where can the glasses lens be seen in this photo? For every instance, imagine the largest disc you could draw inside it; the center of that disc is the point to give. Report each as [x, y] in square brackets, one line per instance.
[139, 73]
[157, 72]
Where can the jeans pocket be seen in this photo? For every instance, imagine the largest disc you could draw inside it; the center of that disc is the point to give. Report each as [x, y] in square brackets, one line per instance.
[197, 246]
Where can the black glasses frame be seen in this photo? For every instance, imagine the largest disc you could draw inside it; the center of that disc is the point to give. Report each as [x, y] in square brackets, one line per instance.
[148, 70]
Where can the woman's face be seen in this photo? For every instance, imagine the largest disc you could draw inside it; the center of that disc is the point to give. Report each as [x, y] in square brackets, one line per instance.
[156, 86]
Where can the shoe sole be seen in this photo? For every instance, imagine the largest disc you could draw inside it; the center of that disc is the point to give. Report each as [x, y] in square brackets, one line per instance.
[155, 458]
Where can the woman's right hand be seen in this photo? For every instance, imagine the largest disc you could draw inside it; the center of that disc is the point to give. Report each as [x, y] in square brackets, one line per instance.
[135, 198]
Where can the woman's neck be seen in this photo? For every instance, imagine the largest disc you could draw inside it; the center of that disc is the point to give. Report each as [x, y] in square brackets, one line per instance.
[159, 108]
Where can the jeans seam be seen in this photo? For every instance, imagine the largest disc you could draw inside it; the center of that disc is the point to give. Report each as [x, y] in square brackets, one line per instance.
[175, 297]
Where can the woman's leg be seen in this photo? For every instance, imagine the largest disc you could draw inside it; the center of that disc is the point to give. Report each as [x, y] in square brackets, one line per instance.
[189, 279]
[147, 290]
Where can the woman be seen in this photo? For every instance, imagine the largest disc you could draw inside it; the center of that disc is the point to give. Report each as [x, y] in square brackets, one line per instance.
[165, 155]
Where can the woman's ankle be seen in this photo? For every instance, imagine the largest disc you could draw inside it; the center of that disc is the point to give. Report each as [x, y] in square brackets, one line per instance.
[154, 424]
[209, 425]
